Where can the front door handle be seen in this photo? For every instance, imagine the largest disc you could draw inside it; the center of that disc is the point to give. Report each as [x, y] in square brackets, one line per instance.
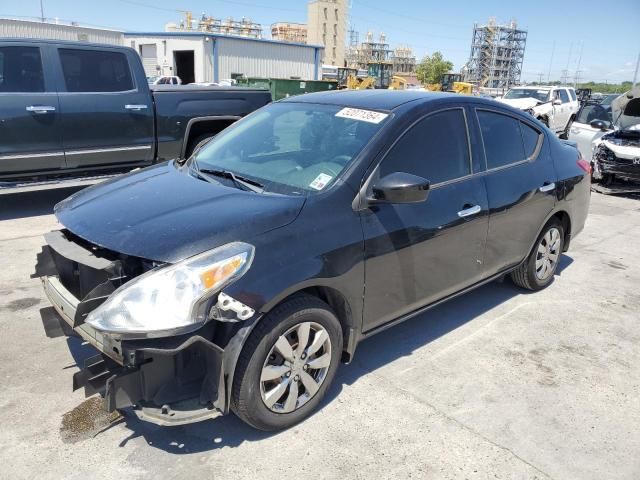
[135, 107]
[467, 212]
[547, 187]
[40, 108]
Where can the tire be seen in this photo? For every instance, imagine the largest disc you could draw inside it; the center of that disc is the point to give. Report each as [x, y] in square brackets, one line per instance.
[196, 143]
[254, 381]
[531, 275]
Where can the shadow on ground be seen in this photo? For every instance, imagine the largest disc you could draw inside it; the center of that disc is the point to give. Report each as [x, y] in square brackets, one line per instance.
[32, 204]
[399, 341]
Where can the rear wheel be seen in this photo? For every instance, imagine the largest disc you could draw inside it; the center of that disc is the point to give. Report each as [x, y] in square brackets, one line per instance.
[540, 266]
[287, 364]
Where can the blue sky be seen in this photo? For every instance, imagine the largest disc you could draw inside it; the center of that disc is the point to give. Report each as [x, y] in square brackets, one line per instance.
[606, 32]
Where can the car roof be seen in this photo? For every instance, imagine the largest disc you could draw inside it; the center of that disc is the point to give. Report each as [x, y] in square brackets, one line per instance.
[53, 41]
[370, 99]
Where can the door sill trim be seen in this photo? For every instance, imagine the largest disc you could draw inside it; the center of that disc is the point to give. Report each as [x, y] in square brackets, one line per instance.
[417, 312]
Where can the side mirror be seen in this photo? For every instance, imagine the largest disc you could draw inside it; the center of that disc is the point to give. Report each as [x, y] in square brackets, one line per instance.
[557, 101]
[400, 187]
[600, 125]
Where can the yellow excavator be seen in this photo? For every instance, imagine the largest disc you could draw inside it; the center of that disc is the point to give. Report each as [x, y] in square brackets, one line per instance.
[398, 83]
[451, 82]
[356, 83]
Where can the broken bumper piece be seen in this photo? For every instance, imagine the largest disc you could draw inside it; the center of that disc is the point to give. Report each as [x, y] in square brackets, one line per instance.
[168, 381]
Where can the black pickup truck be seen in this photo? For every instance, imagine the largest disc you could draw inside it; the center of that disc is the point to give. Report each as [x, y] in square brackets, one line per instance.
[69, 108]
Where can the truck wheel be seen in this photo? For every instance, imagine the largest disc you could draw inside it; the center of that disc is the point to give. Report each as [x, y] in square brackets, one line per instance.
[539, 268]
[287, 364]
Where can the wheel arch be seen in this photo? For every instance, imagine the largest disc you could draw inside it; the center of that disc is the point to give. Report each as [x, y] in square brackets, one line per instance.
[200, 125]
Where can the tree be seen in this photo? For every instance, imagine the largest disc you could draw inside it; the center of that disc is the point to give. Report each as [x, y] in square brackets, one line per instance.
[431, 68]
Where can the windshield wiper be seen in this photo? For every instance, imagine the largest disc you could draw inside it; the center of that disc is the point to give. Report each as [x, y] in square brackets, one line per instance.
[238, 180]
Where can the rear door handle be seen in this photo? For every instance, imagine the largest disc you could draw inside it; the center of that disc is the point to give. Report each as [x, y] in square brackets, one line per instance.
[547, 187]
[467, 212]
[135, 107]
[40, 108]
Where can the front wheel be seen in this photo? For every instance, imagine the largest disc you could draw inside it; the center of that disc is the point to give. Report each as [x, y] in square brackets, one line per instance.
[287, 364]
[538, 269]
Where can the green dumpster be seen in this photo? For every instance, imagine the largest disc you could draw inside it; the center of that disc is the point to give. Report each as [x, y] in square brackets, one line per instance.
[286, 87]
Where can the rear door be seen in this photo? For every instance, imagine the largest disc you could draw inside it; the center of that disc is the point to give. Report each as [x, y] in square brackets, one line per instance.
[30, 127]
[520, 183]
[107, 115]
[421, 252]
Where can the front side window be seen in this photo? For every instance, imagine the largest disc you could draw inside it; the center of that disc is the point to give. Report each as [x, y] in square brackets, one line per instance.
[436, 148]
[21, 70]
[502, 139]
[563, 96]
[292, 148]
[95, 70]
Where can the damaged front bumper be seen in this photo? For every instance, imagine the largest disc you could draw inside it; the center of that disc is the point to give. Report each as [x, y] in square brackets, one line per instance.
[168, 381]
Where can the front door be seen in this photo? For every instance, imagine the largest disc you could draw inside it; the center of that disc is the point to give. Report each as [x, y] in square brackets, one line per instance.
[107, 117]
[581, 130]
[30, 129]
[419, 253]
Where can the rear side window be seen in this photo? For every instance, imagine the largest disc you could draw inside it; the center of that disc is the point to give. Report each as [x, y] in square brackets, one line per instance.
[573, 95]
[95, 70]
[21, 70]
[435, 148]
[502, 139]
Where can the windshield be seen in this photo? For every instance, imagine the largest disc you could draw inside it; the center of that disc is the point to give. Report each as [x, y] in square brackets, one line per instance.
[540, 95]
[291, 148]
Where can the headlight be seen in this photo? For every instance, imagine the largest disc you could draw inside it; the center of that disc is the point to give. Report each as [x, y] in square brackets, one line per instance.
[171, 299]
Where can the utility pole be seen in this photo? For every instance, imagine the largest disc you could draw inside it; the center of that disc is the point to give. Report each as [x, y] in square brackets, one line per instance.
[635, 75]
[578, 71]
[553, 50]
[41, 12]
[540, 75]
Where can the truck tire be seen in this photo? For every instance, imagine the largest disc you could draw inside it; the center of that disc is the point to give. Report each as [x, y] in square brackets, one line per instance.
[538, 270]
[278, 380]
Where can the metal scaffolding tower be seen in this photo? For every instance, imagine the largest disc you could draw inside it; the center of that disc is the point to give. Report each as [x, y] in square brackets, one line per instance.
[497, 52]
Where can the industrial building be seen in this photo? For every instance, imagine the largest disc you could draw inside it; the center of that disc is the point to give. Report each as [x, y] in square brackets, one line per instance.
[289, 32]
[204, 57]
[497, 53]
[327, 26]
[56, 30]
[244, 27]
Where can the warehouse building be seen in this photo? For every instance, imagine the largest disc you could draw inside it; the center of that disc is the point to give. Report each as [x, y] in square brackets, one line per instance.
[205, 57]
[14, 28]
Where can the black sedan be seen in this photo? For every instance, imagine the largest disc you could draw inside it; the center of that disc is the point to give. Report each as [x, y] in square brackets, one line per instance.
[239, 279]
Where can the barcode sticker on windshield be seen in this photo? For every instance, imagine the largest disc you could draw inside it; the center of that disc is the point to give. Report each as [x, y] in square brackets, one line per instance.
[362, 115]
[321, 181]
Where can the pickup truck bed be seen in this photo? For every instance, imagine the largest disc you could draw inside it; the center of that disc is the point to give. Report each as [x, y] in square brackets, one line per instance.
[74, 109]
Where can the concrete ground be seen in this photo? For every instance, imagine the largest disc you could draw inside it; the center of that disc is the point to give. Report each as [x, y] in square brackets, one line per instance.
[497, 384]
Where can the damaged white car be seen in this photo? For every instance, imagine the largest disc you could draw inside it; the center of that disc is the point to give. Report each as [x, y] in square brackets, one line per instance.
[556, 107]
[616, 155]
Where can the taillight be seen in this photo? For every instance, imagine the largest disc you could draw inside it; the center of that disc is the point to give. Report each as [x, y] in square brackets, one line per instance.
[583, 164]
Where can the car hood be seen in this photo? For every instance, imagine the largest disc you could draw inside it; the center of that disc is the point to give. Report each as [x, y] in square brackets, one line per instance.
[521, 103]
[625, 109]
[162, 213]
